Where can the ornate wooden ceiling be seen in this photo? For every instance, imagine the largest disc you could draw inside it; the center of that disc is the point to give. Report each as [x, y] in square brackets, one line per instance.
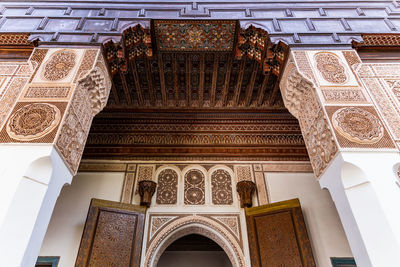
[195, 65]
[195, 90]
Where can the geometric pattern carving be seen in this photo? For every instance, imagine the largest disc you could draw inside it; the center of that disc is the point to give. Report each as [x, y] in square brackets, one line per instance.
[194, 188]
[114, 236]
[243, 173]
[33, 121]
[195, 35]
[138, 42]
[167, 187]
[59, 65]
[47, 92]
[145, 173]
[358, 125]
[221, 186]
[330, 67]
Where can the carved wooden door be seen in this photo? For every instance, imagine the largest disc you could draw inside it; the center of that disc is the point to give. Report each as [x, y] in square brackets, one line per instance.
[278, 236]
[112, 235]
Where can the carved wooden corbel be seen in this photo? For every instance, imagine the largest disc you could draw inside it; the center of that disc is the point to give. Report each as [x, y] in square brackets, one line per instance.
[246, 190]
[146, 192]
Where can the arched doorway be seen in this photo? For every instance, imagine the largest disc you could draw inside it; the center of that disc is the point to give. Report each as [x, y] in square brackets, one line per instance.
[196, 251]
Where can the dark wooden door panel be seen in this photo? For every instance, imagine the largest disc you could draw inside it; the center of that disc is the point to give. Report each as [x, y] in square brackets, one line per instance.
[278, 236]
[112, 235]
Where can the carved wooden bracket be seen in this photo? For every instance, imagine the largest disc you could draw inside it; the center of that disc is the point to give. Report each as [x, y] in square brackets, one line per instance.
[246, 190]
[146, 192]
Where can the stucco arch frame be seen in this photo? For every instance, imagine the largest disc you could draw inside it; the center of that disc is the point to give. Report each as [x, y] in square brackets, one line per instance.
[194, 225]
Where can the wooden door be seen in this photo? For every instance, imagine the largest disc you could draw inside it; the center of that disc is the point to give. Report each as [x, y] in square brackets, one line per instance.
[278, 236]
[112, 235]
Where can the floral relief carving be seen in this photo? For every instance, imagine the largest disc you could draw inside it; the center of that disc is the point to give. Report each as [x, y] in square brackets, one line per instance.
[157, 222]
[331, 68]
[59, 65]
[221, 187]
[167, 188]
[231, 222]
[33, 121]
[300, 98]
[358, 125]
[194, 188]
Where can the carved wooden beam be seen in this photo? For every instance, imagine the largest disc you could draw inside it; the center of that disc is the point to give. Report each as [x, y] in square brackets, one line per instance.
[238, 86]
[246, 190]
[201, 81]
[214, 79]
[226, 84]
[162, 80]
[150, 82]
[137, 83]
[125, 87]
[176, 81]
[250, 87]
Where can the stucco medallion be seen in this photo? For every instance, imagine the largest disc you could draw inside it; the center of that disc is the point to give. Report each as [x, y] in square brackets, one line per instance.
[358, 125]
[33, 121]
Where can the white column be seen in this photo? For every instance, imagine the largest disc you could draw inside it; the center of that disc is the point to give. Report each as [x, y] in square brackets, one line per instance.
[364, 188]
[31, 180]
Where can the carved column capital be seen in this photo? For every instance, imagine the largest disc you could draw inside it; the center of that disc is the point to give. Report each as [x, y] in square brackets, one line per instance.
[246, 190]
[146, 192]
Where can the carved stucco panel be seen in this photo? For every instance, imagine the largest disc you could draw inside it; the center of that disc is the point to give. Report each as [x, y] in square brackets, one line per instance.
[382, 81]
[301, 99]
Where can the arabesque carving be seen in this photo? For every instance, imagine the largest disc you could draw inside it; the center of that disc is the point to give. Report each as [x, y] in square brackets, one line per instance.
[300, 97]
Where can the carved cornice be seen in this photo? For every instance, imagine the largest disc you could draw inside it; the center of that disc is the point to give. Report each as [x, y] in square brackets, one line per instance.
[378, 41]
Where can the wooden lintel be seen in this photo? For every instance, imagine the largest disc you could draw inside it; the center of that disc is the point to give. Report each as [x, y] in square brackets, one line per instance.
[250, 87]
[137, 83]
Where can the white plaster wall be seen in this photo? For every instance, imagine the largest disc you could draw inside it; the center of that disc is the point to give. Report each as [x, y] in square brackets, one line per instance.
[194, 259]
[323, 224]
[66, 225]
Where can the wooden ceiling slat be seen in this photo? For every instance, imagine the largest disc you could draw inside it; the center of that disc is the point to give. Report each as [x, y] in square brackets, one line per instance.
[250, 87]
[202, 80]
[238, 86]
[263, 88]
[152, 94]
[137, 83]
[188, 81]
[125, 87]
[162, 80]
[226, 83]
[274, 93]
[214, 79]
[176, 81]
